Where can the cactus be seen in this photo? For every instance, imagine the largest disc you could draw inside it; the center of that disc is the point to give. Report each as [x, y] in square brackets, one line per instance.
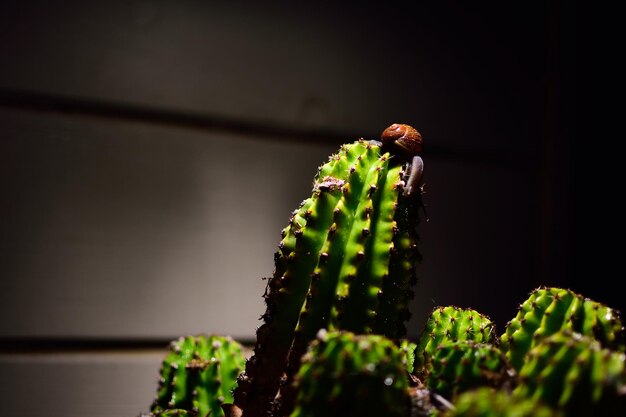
[451, 324]
[346, 261]
[574, 373]
[172, 412]
[550, 309]
[462, 365]
[487, 402]
[198, 375]
[344, 374]
[407, 348]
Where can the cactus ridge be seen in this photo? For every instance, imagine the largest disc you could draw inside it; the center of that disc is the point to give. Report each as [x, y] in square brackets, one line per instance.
[198, 375]
[407, 348]
[487, 402]
[397, 292]
[550, 309]
[449, 324]
[574, 373]
[344, 374]
[365, 259]
[462, 365]
[346, 261]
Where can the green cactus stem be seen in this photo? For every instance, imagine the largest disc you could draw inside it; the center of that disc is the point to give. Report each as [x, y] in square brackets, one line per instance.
[573, 373]
[345, 375]
[174, 412]
[487, 402]
[550, 309]
[449, 324]
[198, 375]
[462, 365]
[407, 348]
[346, 261]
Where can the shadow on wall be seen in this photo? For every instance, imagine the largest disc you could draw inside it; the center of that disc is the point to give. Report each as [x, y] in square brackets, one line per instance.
[135, 231]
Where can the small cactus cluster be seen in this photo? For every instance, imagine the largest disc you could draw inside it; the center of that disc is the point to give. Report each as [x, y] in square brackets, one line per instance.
[451, 323]
[572, 372]
[344, 374]
[461, 365]
[549, 310]
[172, 412]
[488, 402]
[562, 355]
[198, 375]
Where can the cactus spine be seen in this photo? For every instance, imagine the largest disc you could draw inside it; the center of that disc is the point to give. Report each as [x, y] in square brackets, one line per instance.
[548, 310]
[346, 261]
[449, 324]
[198, 375]
[344, 375]
[573, 373]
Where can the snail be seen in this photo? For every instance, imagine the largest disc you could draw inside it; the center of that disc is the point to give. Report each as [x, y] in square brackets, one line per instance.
[406, 142]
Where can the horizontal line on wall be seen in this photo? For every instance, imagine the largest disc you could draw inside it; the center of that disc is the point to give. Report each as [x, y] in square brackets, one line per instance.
[12, 345]
[76, 106]
[49, 103]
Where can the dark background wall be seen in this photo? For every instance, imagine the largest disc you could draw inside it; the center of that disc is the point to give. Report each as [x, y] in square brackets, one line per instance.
[150, 153]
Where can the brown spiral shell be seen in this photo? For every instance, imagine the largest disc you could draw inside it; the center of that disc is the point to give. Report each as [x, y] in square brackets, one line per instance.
[404, 137]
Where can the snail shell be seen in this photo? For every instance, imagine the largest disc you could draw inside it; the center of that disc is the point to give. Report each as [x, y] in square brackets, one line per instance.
[403, 138]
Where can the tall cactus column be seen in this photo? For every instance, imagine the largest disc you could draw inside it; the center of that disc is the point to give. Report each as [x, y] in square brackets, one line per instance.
[346, 261]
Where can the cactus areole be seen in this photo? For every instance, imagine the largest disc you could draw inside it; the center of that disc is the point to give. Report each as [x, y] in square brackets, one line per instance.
[346, 261]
